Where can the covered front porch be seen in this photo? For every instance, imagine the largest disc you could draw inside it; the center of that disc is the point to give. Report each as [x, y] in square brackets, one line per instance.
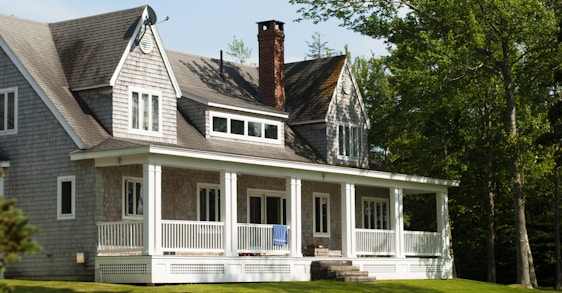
[190, 218]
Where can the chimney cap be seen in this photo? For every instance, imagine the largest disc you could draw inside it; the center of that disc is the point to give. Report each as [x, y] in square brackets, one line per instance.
[268, 21]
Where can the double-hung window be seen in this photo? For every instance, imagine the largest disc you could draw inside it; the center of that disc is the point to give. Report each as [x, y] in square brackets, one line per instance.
[132, 197]
[145, 107]
[321, 215]
[349, 141]
[65, 197]
[8, 110]
[209, 208]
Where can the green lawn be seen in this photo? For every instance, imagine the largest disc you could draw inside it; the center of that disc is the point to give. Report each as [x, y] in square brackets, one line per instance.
[417, 286]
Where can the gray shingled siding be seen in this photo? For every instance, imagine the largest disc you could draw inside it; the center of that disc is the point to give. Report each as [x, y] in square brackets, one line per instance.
[38, 153]
[194, 112]
[315, 135]
[145, 71]
[99, 101]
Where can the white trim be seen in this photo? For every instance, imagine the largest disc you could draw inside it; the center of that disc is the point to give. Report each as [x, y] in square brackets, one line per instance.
[41, 93]
[229, 117]
[234, 108]
[216, 187]
[4, 164]
[324, 171]
[4, 92]
[124, 181]
[72, 214]
[167, 64]
[308, 122]
[320, 195]
[151, 93]
[128, 48]
[263, 194]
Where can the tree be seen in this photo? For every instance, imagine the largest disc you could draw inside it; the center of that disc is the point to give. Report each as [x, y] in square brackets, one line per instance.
[456, 63]
[317, 48]
[15, 234]
[238, 50]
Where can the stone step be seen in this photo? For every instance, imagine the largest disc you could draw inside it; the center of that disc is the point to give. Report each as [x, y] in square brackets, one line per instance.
[331, 263]
[357, 279]
[342, 268]
[342, 274]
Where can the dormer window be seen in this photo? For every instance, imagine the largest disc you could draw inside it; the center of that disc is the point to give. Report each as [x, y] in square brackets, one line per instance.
[241, 127]
[349, 141]
[145, 108]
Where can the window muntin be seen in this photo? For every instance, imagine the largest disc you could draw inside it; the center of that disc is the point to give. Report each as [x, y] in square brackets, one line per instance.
[236, 126]
[209, 207]
[321, 214]
[8, 110]
[350, 141]
[375, 213]
[145, 111]
[132, 198]
[65, 197]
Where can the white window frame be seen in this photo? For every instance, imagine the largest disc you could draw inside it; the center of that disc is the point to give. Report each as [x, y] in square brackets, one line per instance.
[229, 117]
[264, 193]
[4, 95]
[352, 131]
[375, 200]
[72, 214]
[124, 209]
[321, 196]
[209, 186]
[150, 93]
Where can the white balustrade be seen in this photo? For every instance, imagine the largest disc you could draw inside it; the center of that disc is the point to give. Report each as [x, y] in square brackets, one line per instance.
[258, 238]
[123, 236]
[417, 243]
[374, 242]
[192, 236]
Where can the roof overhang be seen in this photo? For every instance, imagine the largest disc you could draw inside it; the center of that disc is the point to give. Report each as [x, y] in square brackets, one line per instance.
[234, 108]
[196, 159]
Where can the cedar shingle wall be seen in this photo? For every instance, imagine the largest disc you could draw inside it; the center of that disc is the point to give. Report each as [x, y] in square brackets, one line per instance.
[38, 153]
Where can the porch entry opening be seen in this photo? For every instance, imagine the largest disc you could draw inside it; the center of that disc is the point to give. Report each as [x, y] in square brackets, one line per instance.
[267, 207]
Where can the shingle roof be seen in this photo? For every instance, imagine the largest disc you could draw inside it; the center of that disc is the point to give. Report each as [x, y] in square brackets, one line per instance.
[90, 48]
[310, 85]
[32, 45]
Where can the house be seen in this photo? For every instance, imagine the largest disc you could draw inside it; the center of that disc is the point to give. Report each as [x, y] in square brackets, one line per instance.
[144, 165]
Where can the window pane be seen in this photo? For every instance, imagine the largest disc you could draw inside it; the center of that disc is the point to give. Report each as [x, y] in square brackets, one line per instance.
[3, 111]
[255, 210]
[212, 205]
[317, 214]
[203, 204]
[135, 111]
[130, 198]
[155, 113]
[11, 109]
[66, 197]
[273, 206]
[324, 215]
[218, 204]
[139, 198]
[219, 124]
[271, 131]
[346, 141]
[254, 129]
[341, 139]
[145, 112]
[236, 126]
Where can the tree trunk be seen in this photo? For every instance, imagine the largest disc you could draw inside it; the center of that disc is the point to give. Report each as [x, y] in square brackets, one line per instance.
[558, 283]
[490, 245]
[522, 248]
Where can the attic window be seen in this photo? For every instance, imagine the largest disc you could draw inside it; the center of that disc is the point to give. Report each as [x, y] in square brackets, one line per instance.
[146, 44]
[241, 127]
[145, 108]
[350, 140]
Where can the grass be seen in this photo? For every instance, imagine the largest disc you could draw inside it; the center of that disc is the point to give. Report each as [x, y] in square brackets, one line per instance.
[416, 286]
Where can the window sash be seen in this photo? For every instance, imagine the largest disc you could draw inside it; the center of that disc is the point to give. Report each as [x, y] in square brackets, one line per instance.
[376, 214]
[145, 111]
[133, 201]
[236, 126]
[321, 215]
[8, 110]
[209, 203]
[66, 190]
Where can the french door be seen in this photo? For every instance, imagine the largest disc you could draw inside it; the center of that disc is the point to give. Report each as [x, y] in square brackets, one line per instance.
[267, 207]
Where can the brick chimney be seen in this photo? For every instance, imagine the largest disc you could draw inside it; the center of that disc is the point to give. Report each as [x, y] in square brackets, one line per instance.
[271, 39]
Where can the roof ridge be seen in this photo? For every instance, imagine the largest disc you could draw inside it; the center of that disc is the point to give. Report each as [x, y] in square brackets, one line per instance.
[99, 15]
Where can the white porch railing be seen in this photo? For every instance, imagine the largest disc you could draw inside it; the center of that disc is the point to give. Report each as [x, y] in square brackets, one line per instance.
[375, 242]
[192, 236]
[122, 236]
[418, 243]
[258, 238]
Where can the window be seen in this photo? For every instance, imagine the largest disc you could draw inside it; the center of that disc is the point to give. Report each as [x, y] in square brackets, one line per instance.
[132, 197]
[349, 141]
[375, 213]
[8, 110]
[145, 109]
[209, 207]
[65, 197]
[321, 215]
[240, 127]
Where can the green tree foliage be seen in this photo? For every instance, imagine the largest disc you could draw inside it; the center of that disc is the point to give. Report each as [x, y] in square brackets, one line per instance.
[238, 50]
[318, 48]
[464, 96]
[15, 234]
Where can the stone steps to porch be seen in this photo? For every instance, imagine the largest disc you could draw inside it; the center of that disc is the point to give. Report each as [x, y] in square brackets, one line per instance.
[339, 270]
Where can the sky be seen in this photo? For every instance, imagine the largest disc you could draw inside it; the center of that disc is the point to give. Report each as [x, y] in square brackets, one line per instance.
[204, 27]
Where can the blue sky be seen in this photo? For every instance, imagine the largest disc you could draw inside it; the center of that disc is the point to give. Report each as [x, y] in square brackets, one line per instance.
[205, 27]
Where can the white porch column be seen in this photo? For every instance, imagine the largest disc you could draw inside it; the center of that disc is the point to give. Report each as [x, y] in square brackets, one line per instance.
[152, 209]
[442, 199]
[294, 215]
[397, 220]
[229, 211]
[348, 220]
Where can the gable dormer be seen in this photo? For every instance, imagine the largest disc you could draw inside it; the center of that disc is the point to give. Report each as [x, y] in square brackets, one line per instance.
[116, 65]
